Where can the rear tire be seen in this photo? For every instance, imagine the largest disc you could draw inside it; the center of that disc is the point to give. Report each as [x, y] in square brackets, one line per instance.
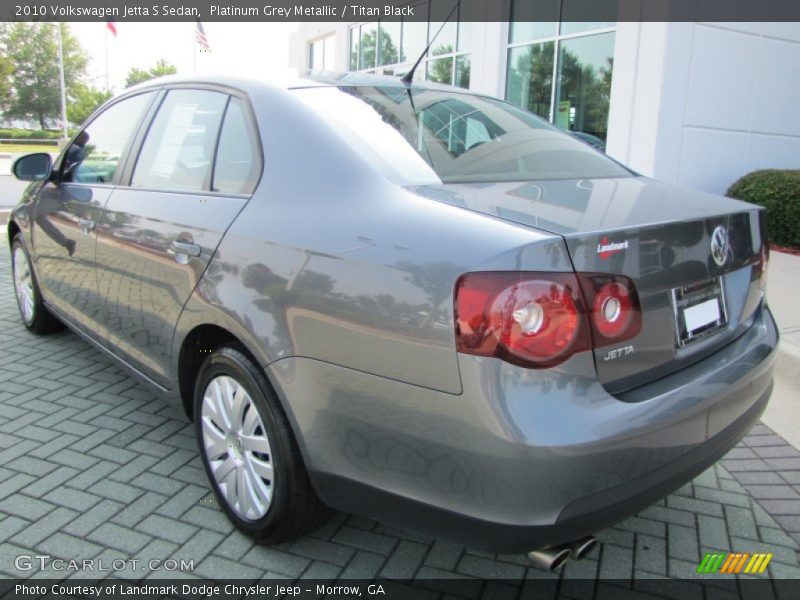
[32, 309]
[249, 451]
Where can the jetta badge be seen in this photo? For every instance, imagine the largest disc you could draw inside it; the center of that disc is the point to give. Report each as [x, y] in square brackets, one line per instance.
[719, 245]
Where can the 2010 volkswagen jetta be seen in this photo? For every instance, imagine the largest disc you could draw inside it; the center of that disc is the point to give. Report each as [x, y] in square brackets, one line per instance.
[402, 300]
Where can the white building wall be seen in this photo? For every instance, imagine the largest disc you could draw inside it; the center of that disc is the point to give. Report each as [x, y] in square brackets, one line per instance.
[700, 104]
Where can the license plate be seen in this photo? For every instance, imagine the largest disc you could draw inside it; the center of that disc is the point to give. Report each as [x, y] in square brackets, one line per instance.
[699, 310]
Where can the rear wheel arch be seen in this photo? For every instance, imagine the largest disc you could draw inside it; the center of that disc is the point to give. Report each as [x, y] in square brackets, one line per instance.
[201, 341]
[13, 230]
[198, 345]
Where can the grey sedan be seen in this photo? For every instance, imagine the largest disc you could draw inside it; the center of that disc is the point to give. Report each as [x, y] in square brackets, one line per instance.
[402, 300]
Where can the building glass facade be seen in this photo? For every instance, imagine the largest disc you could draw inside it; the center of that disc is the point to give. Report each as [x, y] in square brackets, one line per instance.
[392, 47]
[560, 70]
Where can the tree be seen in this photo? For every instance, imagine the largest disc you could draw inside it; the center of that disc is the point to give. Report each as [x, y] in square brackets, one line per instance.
[6, 69]
[85, 101]
[33, 51]
[160, 69]
[388, 51]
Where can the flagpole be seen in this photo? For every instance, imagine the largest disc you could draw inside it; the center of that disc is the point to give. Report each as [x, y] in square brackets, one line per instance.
[194, 51]
[61, 81]
[106, 29]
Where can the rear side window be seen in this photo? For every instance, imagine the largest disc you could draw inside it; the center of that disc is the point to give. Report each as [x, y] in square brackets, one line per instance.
[179, 147]
[93, 157]
[237, 167]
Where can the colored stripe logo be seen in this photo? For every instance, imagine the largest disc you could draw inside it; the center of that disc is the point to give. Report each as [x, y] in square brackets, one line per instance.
[734, 563]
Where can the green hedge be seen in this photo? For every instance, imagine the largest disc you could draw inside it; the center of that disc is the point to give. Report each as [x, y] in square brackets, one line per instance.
[29, 134]
[779, 192]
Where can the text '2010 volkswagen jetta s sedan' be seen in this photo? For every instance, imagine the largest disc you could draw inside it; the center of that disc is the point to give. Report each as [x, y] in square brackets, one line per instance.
[402, 300]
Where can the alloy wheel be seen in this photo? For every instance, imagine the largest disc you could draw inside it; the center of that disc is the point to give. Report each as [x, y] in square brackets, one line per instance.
[23, 283]
[237, 448]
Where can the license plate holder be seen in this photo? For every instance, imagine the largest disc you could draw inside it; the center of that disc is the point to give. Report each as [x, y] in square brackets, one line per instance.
[699, 310]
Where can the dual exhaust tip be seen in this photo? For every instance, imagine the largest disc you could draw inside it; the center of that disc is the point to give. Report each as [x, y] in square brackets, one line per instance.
[555, 556]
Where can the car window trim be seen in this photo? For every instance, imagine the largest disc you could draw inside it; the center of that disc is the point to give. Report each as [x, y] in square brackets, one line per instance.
[253, 133]
[208, 184]
[138, 140]
[115, 181]
[230, 92]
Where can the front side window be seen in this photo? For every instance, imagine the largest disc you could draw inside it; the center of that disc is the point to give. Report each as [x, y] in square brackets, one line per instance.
[179, 147]
[237, 166]
[94, 155]
[427, 136]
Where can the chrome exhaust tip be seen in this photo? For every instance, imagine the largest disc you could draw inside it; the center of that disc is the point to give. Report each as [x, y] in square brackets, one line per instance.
[582, 547]
[549, 558]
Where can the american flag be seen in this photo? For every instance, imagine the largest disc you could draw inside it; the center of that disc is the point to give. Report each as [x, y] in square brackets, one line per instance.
[200, 38]
[112, 27]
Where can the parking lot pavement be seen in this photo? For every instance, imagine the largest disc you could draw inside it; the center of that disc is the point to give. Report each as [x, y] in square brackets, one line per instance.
[93, 465]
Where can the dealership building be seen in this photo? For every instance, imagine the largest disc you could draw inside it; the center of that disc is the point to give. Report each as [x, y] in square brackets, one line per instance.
[697, 104]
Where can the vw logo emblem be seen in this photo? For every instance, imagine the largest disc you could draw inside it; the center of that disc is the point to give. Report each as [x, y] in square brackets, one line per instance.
[719, 245]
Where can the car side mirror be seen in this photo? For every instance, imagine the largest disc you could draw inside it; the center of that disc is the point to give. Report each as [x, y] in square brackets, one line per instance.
[33, 167]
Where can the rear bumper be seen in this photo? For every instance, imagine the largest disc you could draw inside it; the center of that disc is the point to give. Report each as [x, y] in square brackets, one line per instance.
[522, 459]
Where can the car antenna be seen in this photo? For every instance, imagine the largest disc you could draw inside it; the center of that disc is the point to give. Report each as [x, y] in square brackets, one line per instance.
[409, 76]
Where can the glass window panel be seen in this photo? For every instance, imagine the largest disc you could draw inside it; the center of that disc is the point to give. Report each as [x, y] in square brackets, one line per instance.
[354, 37]
[463, 71]
[584, 84]
[533, 20]
[366, 53]
[441, 70]
[415, 34]
[389, 41]
[316, 58]
[236, 167]
[445, 42]
[464, 36]
[94, 155]
[529, 81]
[177, 152]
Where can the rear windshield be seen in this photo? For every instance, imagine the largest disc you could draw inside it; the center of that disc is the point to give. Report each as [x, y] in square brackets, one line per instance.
[428, 136]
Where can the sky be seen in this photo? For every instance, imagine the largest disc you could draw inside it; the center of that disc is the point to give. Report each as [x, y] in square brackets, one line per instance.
[252, 49]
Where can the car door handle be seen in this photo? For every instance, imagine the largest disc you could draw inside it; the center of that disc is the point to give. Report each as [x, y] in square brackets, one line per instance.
[86, 226]
[185, 248]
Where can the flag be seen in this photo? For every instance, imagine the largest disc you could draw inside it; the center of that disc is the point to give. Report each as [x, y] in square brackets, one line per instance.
[200, 38]
[111, 27]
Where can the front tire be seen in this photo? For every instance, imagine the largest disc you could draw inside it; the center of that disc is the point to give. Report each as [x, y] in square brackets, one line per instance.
[34, 313]
[249, 452]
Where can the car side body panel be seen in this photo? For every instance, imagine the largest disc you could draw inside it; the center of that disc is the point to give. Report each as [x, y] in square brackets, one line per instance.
[372, 292]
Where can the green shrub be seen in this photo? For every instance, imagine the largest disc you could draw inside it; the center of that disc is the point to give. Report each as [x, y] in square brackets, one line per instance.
[30, 134]
[779, 192]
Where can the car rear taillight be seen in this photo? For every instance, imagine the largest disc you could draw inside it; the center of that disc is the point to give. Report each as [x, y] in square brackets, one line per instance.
[541, 319]
[616, 313]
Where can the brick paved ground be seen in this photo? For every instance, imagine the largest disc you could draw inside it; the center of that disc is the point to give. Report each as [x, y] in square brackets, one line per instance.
[92, 465]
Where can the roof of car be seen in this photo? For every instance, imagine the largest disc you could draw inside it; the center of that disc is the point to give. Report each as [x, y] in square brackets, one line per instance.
[297, 80]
